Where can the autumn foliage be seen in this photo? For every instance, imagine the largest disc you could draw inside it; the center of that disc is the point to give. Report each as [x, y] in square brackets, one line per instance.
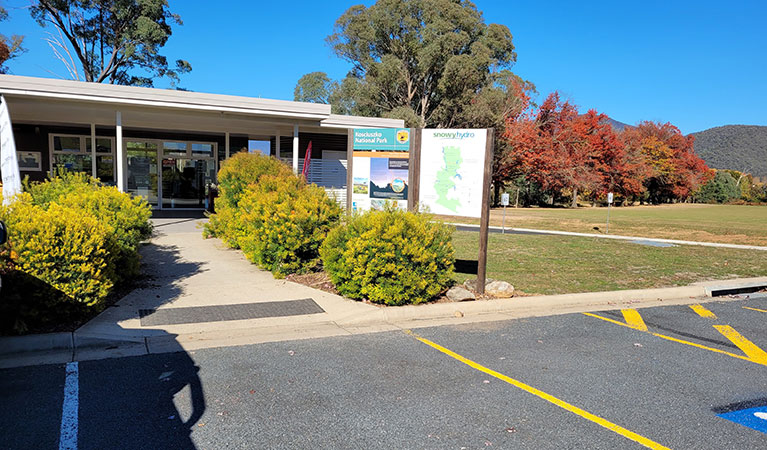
[567, 153]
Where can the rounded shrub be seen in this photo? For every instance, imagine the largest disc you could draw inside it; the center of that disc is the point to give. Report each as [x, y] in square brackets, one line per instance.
[69, 250]
[391, 256]
[236, 174]
[62, 184]
[721, 188]
[284, 222]
[126, 219]
[70, 241]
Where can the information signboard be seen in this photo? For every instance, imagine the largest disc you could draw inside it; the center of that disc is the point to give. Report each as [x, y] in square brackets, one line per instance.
[380, 168]
[452, 171]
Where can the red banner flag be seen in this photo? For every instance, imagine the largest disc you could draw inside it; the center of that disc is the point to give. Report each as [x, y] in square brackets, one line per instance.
[307, 160]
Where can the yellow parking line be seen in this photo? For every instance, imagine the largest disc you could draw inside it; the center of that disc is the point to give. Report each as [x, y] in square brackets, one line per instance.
[711, 349]
[756, 309]
[755, 353]
[549, 398]
[634, 319]
[606, 319]
[681, 341]
[703, 312]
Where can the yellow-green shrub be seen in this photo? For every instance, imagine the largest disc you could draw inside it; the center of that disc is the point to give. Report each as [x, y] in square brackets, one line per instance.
[63, 183]
[236, 174]
[284, 222]
[126, 219]
[391, 256]
[68, 249]
[70, 241]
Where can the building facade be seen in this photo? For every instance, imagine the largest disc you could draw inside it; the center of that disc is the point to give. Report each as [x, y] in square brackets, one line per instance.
[168, 145]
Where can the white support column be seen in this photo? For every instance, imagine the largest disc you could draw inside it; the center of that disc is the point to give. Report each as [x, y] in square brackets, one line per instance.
[122, 161]
[93, 150]
[277, 145]
[226, 145]
[295, 148]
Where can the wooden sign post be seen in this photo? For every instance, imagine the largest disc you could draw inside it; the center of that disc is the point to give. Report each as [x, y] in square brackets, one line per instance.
[414, 176]
[484, 221]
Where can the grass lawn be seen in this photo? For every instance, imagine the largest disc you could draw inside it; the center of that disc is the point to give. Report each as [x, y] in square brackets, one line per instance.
[732, 224]
[560, 264]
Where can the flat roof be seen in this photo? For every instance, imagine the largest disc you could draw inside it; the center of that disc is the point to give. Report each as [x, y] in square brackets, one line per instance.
[15, 85]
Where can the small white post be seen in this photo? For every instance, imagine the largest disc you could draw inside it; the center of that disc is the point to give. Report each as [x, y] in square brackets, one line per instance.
[93, 150]
[226, 145]
[609, 203]
[505, 203]
[295, 148]
[121, 159]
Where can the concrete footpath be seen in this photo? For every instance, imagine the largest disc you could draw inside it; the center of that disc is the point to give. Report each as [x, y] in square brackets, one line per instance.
[199, 294]
[635, 239]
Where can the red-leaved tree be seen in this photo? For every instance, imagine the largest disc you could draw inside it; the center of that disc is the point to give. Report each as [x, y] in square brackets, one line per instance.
[675, 170]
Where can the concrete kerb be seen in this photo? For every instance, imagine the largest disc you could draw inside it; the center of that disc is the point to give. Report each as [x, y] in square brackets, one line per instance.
[63, 347]
[526, 306]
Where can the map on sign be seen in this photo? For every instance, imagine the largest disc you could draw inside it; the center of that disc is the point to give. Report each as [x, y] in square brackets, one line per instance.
[452, 171]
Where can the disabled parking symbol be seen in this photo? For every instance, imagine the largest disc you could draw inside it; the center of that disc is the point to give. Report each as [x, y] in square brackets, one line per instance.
[754, 418]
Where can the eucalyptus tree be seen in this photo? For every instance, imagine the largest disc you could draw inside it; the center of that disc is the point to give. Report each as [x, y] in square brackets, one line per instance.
[113, 41]
[424, 61]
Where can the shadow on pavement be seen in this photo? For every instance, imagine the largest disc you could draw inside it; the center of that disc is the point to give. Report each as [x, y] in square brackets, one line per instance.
[143, 402]
[163, 271]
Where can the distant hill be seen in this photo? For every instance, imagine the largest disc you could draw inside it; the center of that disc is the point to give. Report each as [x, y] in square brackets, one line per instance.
[737, 147]
[618, 126]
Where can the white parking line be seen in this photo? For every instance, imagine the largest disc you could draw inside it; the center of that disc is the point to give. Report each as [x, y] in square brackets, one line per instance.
[68, 436]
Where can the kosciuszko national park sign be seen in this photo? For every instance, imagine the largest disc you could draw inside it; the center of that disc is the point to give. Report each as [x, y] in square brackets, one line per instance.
[380, 168]
[452, 171]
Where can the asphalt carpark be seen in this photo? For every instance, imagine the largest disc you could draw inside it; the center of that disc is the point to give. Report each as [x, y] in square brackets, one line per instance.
[570, 381]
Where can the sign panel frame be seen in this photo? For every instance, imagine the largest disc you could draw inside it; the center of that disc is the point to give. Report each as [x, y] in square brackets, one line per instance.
[451, 163]
[380, 171]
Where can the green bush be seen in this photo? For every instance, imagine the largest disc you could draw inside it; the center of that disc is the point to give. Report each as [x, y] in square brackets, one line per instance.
[70, 241]
[720, 189]
[236, 174]
[67, 249]
[391, 256]
[64, 183]
[126, 217]
[284, 223]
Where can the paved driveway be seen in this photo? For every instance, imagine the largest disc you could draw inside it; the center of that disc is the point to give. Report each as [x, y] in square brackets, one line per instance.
[676, 377]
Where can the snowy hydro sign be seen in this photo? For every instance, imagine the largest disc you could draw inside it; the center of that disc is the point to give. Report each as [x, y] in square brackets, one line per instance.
[452, 171]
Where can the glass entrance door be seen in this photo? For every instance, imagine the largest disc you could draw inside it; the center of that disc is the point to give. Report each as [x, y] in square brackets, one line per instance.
[184, 181]
[142, 169]
[185, 169]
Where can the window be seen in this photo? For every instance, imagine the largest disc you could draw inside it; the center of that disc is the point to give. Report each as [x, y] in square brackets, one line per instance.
[259, 145]
[174, 148]
[73, 153]
[199, 149]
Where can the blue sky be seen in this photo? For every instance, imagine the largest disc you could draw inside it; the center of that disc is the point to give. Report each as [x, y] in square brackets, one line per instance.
[696, 64]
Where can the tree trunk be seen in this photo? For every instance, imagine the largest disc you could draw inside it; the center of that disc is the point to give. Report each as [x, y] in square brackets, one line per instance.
[575, 197]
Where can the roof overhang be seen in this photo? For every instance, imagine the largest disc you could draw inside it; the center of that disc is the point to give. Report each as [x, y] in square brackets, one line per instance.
[75, 96]
[339, 121]
[161, 98]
